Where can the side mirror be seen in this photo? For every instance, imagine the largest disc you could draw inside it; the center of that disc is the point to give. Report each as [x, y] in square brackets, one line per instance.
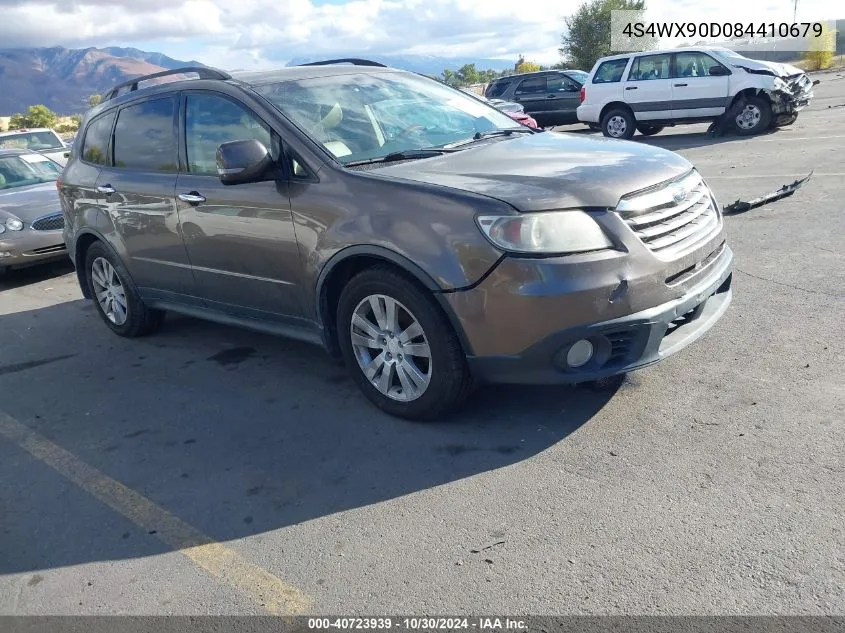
[242, 161]
[719, 71]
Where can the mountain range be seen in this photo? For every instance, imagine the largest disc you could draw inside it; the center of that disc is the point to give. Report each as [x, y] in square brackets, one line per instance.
[63, 78]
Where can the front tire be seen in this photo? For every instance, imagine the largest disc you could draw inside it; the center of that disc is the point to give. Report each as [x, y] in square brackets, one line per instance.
[399, 347]
[117, 300]
[618, 123]
[754, 117]
[649, 130]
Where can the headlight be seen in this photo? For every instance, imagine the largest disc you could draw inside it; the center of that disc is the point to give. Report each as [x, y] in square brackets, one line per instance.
[13, 224]
[549, 232]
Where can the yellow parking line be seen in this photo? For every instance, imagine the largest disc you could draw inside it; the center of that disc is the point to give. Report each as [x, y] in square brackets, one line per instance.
[272, 593]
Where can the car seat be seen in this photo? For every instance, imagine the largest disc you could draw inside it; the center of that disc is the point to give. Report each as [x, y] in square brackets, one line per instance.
[323, 131]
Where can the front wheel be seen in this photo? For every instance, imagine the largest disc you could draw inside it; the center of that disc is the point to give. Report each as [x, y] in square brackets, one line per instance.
[754, 116]
[618, 123]
[400, 348]
[649, 130]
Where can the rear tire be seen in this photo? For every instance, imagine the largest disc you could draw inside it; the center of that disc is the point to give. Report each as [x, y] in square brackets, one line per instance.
[618, 123]
[425, 383]
[754, 117]
[115, 295]
[649, 130]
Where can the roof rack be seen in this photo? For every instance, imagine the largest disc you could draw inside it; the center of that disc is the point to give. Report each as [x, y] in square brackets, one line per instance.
[346, 60]
[203, 72]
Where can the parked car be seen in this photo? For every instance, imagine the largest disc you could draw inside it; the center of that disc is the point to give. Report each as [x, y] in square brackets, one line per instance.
[649, 91]
[514, 110]
[31, 219]
[42, 140]
[428, 258]
[551, 97]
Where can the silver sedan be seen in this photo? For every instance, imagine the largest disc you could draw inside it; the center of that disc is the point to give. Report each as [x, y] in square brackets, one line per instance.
[31, 219]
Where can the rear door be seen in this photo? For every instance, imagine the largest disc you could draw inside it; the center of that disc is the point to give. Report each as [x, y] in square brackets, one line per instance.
[695, 92]
[563, 97]
[138, 189]
[648, 87]
[531, 92]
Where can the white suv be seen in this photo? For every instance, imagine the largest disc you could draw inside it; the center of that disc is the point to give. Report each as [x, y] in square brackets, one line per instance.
[651, 90]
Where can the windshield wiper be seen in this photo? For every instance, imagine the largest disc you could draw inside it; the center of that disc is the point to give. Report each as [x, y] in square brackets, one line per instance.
[407, 154]
[491, 134]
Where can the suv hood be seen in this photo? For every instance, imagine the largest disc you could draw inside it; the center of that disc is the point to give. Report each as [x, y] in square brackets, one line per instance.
[28, 203]
[551, 170]
[779, 70]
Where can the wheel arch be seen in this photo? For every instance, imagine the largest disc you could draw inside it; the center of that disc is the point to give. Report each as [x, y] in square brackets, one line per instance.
[343, 265]
[84, 239]
[613, 105]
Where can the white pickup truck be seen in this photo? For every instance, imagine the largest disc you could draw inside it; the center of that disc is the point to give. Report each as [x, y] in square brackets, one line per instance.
[42, 140]
[648, 91]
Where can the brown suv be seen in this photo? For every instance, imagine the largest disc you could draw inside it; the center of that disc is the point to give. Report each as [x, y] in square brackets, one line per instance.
[423, 235]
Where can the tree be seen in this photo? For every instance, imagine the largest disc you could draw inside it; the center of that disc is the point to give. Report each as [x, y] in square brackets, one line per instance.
[588, 31]
[820, 55]
[95, 100]
[468, 75]
[527, 67]
[17, 121]
[40, 116]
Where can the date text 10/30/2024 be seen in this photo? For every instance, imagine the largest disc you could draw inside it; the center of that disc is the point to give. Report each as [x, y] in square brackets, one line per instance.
[417, 624]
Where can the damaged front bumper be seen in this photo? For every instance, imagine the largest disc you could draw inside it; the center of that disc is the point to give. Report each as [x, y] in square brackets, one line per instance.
[791, 94]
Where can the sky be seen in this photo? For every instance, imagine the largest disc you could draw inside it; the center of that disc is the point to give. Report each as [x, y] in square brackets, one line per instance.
[266, 33]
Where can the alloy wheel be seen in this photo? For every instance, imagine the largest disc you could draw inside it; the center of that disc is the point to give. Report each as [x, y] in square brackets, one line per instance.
[109, 290]
[391, 348]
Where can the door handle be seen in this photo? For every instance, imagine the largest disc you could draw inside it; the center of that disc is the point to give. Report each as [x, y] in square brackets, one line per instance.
[192, 197]
[630, 87]
[105, 189]
[551, 96]
[680, 85]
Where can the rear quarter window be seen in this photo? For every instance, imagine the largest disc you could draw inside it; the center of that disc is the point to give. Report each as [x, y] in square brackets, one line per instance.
[610, 71]
[95, 145]
[497, 89]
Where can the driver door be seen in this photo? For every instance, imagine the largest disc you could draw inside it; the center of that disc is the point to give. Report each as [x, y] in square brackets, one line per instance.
[239, 238]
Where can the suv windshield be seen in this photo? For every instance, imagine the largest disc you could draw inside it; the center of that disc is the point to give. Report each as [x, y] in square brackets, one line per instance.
[21, 170]
[369, 116]
[35, 141]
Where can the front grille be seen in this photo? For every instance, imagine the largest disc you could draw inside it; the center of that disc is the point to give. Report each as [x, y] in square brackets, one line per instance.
[52, 222]
[673, 218]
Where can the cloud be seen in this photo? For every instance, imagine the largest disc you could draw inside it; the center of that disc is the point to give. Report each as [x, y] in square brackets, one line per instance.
[260, 33]
[256, 32]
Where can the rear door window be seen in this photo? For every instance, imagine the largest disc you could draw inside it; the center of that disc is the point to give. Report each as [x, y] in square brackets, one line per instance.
[610, 71]
[531, 86]
[145, 136]
[95, 145]
[650, 67]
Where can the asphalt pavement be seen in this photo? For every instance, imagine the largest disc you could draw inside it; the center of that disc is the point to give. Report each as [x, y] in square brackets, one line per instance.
[208, 469]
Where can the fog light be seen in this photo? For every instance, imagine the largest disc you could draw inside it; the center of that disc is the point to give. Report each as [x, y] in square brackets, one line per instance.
[580, 353]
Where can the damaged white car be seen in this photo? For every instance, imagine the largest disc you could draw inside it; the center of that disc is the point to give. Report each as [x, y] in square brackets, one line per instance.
[649, 91]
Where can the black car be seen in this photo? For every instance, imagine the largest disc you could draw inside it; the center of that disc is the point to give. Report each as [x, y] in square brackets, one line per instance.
[550, 96]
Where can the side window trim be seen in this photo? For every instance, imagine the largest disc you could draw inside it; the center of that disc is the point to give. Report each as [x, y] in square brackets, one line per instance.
[175, 129]
[113, 113]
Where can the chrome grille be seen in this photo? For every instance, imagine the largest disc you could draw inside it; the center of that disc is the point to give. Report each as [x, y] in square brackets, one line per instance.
[52, 222]
[673, 218]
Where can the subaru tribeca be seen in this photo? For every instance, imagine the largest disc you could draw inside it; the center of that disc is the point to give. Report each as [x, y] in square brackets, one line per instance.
[422, 235]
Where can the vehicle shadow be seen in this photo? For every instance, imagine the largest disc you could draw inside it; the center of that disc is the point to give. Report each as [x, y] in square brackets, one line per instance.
[233, 432]
[11, 279]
